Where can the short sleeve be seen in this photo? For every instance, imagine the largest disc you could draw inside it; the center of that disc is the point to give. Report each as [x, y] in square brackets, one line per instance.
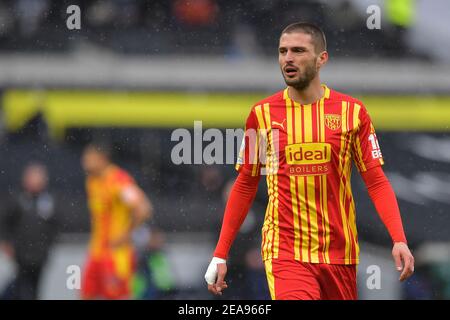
[366, 149]
[122, 180]
[249, 160]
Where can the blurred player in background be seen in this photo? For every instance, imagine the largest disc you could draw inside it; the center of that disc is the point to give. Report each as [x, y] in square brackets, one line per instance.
[312, 133]
[118, 206]
[28, 230]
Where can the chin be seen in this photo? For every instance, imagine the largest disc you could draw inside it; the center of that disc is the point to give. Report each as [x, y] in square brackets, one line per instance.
[291, 82]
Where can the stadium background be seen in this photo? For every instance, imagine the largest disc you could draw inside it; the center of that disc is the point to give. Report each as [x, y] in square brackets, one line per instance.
[137, 70]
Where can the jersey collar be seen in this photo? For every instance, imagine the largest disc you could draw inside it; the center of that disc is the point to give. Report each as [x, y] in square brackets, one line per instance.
[324, 86]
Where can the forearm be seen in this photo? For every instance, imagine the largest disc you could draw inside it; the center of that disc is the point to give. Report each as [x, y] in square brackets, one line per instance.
[385, 201]
[141, 214]
[239, 202]
[141, 208]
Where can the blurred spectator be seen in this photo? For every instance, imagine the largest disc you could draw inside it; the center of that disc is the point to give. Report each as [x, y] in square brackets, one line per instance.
[102, 13]
[211, 179]
[197, 13]
[28, 231]
[231, 27]
[420, 286]
[401, 15]
[6, 19]
[255, 276]
[153, 278]
[31, 13]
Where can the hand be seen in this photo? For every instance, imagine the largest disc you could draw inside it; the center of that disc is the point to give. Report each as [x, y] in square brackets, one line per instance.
[215, 276]
[404, 260]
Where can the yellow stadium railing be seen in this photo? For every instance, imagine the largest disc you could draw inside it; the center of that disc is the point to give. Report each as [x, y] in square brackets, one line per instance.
[75, 109]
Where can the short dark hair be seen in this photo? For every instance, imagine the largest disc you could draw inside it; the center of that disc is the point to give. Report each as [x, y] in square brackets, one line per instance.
[316, 33]
[35, 164]
[100, 146]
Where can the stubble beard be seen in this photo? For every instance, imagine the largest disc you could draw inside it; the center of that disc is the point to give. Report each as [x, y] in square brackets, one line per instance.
[304, 79]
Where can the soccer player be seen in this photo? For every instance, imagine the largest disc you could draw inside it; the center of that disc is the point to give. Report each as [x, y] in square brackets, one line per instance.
[311, 135]
[117, 207]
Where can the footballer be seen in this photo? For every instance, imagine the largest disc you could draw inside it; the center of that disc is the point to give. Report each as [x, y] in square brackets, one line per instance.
[312, 136]
[118, 206]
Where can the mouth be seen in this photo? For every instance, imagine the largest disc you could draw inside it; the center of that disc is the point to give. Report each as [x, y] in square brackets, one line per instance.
[290, 71]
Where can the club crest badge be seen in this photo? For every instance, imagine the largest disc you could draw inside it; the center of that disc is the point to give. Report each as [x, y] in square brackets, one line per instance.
[333, 121]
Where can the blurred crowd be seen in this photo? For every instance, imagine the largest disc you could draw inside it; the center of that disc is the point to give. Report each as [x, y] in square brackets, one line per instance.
[226, 27]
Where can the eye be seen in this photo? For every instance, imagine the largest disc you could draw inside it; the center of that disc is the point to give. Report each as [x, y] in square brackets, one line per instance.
[298, 50]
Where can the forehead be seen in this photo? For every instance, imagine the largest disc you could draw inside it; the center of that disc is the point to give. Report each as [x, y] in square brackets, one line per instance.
[34, 170]
[296, 39]
[90, 152]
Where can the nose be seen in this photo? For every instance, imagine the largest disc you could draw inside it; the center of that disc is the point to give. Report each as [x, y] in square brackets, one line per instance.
[289, 57]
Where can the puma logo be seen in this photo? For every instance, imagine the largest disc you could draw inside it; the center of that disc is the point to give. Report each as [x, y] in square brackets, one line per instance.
[280, 124]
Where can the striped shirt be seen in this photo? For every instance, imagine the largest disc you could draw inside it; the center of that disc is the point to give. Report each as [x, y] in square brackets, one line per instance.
[306, 153]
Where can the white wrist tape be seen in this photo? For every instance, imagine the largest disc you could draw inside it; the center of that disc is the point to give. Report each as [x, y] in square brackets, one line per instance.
[211, 272]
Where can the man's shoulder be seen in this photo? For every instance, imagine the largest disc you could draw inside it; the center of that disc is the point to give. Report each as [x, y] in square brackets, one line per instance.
[274, 98]
[120, 175]
[339, 96]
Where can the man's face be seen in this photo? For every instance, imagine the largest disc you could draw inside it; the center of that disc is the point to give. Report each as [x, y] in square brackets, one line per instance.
[93, 162]
[299, 62]
[35, 179]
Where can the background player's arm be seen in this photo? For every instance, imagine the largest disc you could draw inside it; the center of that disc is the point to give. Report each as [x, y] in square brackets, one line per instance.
[141, 210]
[139, 204]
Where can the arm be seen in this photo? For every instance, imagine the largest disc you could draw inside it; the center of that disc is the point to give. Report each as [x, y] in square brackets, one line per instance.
[138, 202]
[383, 197]
[368, 159]
[141, 210]
[239, 202]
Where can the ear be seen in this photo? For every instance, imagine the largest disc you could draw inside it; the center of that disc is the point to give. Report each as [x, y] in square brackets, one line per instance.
[322, 59]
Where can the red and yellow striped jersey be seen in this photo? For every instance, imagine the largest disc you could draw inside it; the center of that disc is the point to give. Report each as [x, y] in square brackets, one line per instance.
[110, 217]
[307, 155]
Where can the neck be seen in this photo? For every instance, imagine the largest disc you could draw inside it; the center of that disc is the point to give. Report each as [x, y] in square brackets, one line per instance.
[103, 170]
[313, 92]
[33, 193]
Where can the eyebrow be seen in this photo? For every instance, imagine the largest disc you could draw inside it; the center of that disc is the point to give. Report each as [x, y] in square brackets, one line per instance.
[293, 48]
